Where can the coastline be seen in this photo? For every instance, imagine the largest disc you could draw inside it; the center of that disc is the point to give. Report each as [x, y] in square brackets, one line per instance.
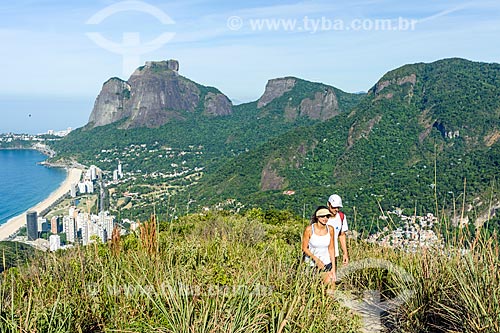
[14, 224]
[40, 147]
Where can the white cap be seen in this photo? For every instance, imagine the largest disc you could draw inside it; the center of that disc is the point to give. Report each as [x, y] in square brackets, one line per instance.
[335, 200]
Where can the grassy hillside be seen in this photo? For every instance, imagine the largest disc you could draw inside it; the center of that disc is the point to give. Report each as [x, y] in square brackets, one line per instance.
[232, 273]
[201, 274]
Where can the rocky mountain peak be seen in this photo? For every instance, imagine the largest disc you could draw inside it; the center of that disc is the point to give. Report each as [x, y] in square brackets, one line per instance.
[165, 67]
[275, 88]
[153, 95]
[304, 99]
[109, 104]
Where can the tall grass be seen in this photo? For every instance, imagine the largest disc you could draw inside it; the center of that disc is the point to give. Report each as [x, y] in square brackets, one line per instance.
[231, 273]
[453, 289]
[200, 274]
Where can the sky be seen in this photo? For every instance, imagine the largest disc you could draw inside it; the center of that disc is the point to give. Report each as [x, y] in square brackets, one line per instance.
[55, 55]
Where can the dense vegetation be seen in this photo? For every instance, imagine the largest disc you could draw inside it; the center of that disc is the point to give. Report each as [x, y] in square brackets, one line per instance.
[198, 141]
[232, 273]
[394, 148]
[14, 253]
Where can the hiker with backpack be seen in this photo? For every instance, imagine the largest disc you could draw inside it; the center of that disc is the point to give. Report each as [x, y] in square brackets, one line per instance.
[317, 245]
[339, 224]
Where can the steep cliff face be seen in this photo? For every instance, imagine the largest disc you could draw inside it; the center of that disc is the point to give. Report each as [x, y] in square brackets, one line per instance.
[299, 99]
[109, 104]
[275, 88]
[153, 95]
[323, 106]
[217, 105]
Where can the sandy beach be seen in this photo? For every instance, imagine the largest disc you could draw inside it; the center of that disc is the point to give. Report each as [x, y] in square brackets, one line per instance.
[16, 223]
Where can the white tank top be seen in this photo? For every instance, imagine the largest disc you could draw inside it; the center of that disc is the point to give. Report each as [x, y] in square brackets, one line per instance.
[318, 245]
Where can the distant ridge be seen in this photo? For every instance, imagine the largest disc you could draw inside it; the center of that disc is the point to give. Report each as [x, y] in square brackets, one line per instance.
[446, 112]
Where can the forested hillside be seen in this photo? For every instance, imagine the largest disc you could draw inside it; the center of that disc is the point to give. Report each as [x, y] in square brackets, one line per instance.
[420, 133]
[185, 149]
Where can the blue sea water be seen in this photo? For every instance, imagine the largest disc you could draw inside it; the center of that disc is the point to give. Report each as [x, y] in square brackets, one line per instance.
[23, 182]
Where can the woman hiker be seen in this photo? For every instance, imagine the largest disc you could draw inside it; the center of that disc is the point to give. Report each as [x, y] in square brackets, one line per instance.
[318, 245]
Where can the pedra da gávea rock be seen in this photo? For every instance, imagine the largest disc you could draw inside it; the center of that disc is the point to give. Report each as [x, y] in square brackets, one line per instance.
[153, 95]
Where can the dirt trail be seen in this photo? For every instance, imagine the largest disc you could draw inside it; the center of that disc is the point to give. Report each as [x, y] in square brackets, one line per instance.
[369, 308]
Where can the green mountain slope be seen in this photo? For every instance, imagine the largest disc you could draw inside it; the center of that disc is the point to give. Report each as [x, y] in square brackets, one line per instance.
[444, 113]
[247, 127]
[196, 141]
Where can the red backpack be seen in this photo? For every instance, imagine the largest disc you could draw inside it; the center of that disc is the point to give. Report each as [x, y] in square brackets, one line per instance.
[342, 217]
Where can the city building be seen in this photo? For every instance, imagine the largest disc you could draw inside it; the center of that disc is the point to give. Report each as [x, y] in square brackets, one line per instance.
[32, 225]
[54, 242]
[69, 227]
[93, 172]
[72, 190]
[82, 188]
[55, 225]
[120, 173]
[42, 224]
[89, 186]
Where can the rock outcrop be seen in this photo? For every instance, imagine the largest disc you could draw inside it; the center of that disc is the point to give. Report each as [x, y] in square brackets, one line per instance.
[275, 88]
[324, 106]
[270, 179]
[412, 79]
[109, 104]
[155, 94]
[217, 105]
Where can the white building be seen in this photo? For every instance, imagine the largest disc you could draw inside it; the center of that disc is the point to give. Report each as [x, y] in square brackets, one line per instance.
[81, 219]
[69, 227]
[42, 224]
[90, 186]
[108, 223]
[54, 242]
[85, 234]
[93, 172]
[86, 187]
[82, 188]
[120, 173]
[72, 212]
[72, 190]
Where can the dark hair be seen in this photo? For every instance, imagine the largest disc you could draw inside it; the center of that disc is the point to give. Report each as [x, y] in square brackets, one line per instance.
[314, 219]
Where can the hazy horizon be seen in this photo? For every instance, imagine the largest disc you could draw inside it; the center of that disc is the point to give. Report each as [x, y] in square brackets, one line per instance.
[38, 114]
[67, 50]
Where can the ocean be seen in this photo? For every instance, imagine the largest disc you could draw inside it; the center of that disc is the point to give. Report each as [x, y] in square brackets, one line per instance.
[23, 182]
